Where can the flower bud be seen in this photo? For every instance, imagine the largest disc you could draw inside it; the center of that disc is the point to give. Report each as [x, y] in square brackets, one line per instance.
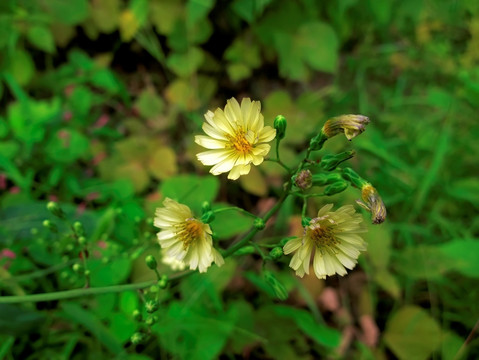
[205, 207]
[278, 288]
[163, 282]
[276, 253]
[77, 268]
[50, 226]
[151, 306]
[304, 179]
[137, 338]
[55, 210]
[136, 315]
[331, 162]
[374, 204]
[151, 262]
[356, 180]
[78, 228]
[350, 125]
[207, 217]
[325, 179]
[151, 320]
[259, 224]
[280, 126]
[336, 188]
[245, 250]
[82, 240]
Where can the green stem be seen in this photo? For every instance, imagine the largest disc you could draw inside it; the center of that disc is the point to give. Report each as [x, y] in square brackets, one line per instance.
[258, 249]
[265, 218]
[69, 294]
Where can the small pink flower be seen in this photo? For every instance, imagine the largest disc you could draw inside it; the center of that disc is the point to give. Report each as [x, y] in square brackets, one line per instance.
[8, 254]
[102, 121]
[14, 190]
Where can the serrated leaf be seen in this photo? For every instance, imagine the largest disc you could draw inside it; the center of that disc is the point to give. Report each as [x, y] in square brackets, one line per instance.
[412, 334]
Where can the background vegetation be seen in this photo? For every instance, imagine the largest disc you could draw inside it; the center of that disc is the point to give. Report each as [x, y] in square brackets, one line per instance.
[100, 100]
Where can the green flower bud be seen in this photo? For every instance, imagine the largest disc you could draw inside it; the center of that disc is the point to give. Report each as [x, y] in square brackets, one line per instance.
[278, 288]
[151, 320]
[336, 188]
[151, 306]
[205, 207]
[136, 315]
[55, 210]
[280, 126]
[325, 179]
[259, 224]
[276, 253]
[87, 273]
[137, 338]
[207, 217]
[356, 180]
[50, 226]
[151, 262]
[82, 240]
[331, 162]
[305, 221]
[163, 282]
[78, 228]
[78, 268]
[246, 250]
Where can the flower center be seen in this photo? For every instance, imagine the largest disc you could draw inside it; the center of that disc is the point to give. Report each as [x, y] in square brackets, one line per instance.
[240, 143]
[189, 231]
[322, 236]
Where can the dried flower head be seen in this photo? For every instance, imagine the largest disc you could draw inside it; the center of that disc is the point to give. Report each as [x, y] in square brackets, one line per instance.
[373, 203]
[304, 180]
[331, 239]
[237, 138]
[350, 125]
[185, 238]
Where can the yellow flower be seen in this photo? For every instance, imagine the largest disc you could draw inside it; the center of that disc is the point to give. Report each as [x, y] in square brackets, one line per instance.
[331, 239]
[236, 138]
[172, 262]
[185, 238]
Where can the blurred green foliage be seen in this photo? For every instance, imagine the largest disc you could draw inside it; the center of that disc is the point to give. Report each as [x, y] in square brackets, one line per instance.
[100, 100]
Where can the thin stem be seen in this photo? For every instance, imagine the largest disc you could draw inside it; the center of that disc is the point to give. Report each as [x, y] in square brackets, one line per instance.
[305, 207]
[258, 249]
[40, 273]
[280, 163]
[69, 294]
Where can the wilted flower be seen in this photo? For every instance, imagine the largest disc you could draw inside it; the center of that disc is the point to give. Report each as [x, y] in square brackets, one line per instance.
[185, 238]
[350, 125]
[331, 239]
[304, 179]
[237, 138]
[374, 203]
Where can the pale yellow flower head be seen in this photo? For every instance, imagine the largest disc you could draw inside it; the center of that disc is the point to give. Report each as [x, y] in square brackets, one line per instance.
[236, 137]
[184, 238]
[331, 239]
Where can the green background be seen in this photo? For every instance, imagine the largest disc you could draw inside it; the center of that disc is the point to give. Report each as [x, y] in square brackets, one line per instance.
[100, 102]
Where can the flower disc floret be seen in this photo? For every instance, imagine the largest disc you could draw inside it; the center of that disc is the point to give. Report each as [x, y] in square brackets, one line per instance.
[236, 137]
[330, 240]
[184, 238]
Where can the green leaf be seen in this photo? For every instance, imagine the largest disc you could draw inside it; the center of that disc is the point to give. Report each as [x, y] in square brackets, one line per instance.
[16, 320]
[70, 12]
[128, 302]
[9, 149]
[463, 256]
[379, 246]
[22, 67]
[412, 334]
[75, 313]
[41, 37]
[191, 190]
[149, 104]
[198, 9]
[254, 183]
[186, 64]
[121, 326]
[113, 273]
[67, 146]
[228, 224]
[164, 14]
[162, 163]
[320, 333]
[319, 46]
[105, 15]
[249, 10]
